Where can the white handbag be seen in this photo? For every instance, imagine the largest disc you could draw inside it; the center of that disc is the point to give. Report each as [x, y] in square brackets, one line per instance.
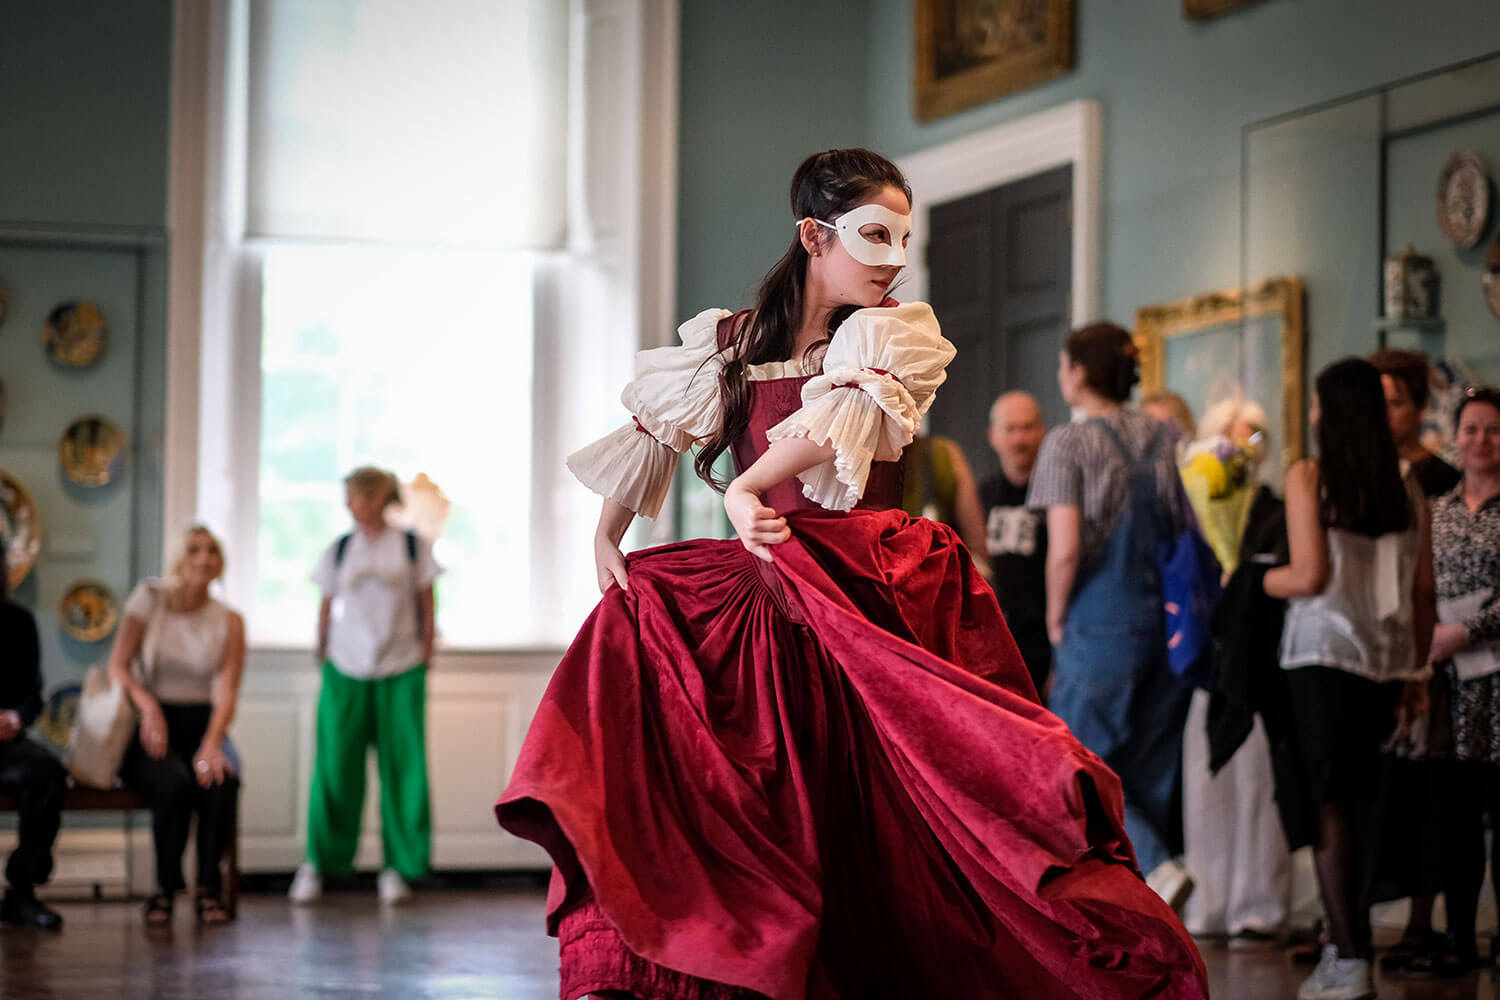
[102, 730]
[107, 718]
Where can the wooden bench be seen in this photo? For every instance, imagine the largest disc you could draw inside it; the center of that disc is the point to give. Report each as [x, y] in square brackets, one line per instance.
[83, 798]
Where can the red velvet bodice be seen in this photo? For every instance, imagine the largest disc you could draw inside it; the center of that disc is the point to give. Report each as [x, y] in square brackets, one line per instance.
[771, 402]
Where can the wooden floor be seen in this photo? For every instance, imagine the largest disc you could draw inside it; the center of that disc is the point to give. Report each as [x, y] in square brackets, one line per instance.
[447, 945]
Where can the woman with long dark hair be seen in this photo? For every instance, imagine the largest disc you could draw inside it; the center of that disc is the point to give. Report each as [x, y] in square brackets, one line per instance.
[1359, 620]
[809, 761]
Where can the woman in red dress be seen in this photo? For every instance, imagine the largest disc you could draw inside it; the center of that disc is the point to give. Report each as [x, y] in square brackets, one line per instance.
[809, 762]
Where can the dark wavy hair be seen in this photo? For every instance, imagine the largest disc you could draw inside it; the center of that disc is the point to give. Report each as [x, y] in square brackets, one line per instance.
[1407, 367]
[1486, 394]
[1111, 363]
[1360, 474]
[825, 186]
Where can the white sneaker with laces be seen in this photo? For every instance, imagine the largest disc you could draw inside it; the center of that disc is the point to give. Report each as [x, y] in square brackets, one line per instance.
[307, 885]
[1171, 882]
[1338, 979]
[392, 887]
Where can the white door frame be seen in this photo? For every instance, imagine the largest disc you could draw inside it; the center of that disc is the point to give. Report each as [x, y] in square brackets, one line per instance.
[1068, 134]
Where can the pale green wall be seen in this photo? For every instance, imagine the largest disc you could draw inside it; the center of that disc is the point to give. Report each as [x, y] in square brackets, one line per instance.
[84, 111]
[763, 83]
[84, 122]
[1176, 95]
[1413, 164]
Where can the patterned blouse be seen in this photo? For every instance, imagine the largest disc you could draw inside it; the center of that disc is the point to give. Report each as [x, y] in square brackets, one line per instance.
[1466, 558]
[1079, 466]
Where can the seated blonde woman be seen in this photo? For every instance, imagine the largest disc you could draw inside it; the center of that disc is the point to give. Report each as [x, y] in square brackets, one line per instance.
[191, 650]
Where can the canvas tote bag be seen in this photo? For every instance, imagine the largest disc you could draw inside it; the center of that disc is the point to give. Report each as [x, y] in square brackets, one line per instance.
[106, 720]
[102, 730]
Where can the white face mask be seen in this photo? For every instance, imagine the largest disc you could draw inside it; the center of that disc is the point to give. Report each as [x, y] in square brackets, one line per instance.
[870, 251]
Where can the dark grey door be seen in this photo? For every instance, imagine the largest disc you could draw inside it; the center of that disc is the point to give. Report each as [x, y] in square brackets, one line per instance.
[999, 267]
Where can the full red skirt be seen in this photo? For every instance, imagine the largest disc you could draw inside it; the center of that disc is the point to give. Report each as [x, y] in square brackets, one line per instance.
[828, 777]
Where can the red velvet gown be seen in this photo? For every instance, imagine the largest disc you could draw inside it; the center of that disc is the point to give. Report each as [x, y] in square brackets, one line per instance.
[827, 776]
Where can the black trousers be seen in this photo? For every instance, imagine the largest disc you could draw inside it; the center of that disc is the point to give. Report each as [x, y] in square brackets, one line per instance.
[37, 781]
[175, 796]
[1477, 791]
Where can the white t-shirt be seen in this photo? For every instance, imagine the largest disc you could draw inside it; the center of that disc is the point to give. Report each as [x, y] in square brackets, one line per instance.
[181, 652]
[372, 632]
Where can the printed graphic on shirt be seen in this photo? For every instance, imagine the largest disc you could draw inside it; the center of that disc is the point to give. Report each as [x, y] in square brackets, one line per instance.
[1011, 531]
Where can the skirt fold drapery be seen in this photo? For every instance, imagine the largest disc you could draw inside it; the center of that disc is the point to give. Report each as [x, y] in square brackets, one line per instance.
[827, 776]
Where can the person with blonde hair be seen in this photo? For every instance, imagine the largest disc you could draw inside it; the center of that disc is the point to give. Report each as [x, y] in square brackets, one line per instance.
[1172, 410]
[375, 638]
[191, 651]
[1234, 844]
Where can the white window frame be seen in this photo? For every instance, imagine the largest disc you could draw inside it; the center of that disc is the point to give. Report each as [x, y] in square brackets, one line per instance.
[609, 293]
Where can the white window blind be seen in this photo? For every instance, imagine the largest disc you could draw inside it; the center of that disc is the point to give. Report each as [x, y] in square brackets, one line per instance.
[439, 122]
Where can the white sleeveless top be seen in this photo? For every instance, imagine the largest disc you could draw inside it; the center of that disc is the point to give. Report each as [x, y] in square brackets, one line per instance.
[182, 652]
[1362, 621]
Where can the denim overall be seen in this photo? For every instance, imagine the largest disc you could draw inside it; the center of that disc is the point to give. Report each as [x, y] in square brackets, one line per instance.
[1111, 682]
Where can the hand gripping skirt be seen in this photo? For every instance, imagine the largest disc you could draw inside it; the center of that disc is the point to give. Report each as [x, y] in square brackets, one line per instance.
[828, 777]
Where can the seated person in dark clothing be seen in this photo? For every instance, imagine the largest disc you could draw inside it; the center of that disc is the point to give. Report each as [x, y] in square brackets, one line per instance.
[28, 773]
[1015, 535]
[1404, 374]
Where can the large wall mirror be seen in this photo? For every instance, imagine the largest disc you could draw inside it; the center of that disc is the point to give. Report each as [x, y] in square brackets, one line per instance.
[1331, 192]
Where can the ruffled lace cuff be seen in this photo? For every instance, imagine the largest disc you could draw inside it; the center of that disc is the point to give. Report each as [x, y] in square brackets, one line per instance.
[866, 414]
[628, 466]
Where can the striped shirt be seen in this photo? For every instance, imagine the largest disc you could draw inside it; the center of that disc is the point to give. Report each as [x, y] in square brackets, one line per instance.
[1080, 466]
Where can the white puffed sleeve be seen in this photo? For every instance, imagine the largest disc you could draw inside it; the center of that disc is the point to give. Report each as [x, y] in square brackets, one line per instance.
[880, 374]
[675, 401]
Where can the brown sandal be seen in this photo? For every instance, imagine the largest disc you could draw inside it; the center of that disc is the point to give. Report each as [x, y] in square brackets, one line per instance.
[210, 909]
[159, 910]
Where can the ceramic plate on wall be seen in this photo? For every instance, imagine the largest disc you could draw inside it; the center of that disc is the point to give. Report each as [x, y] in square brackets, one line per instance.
[87, 611]
[59, 712]
[20, 527]
[90, 450]
[75, 334]
[1463, 199]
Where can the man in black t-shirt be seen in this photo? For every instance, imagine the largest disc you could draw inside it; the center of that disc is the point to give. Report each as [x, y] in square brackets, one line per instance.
[1015, 535]
[29, 775]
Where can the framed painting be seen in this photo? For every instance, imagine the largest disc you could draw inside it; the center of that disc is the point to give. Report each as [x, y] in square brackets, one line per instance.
[1246, 343]
[972, 51]
[1202, 10]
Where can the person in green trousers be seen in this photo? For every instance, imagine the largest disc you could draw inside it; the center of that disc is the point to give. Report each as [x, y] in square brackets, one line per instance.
[375, 635]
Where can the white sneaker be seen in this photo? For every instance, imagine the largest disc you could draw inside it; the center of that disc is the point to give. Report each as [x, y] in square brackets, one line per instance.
[1338, 979]
[307, 885]
[392, 887]
[1171, 882]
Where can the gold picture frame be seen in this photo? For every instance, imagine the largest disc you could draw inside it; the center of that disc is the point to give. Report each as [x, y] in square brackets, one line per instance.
[1202, 10]
[1253, 338]
[972, 51]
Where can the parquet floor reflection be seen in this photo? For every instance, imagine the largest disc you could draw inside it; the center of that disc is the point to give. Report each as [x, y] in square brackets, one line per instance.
[448, 944]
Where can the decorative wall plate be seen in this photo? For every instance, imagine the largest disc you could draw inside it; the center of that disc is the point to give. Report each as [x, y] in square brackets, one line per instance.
[90, 450]
[88, 611]
[20, 527]
[58, 713]
[1463, 199]
[1492, 276]
[75, 334]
